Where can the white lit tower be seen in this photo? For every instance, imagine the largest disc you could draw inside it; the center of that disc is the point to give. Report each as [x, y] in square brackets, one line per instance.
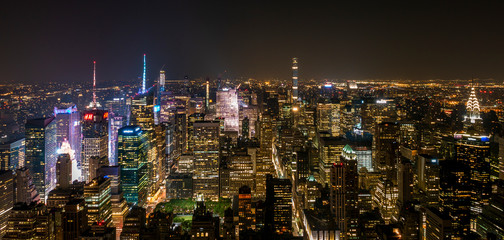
[473, 107]
[294, 80]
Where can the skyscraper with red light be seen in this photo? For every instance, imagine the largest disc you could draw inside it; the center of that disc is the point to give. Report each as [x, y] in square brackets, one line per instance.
[95, 138]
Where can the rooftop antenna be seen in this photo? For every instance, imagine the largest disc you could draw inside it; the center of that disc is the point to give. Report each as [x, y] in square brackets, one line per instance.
[94, 84]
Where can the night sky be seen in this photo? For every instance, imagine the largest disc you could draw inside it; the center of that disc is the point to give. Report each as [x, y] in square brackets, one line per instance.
[43, 41]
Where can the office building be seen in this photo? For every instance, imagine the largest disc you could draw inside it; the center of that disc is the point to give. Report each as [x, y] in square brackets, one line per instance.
[95, 140]
[41, 153]
[6, 198]
[279, 203]
[97, 195]
[74, 218]
[206, 159]
[132, 158]
[25, 189]
[63, 171]
[68, 129]
[227, 109]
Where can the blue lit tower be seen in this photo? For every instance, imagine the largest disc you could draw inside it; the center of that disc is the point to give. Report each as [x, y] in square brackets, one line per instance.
[294, 80]
[144, 74]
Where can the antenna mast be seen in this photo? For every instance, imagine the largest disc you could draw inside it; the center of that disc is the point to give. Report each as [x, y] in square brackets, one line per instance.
[94, 84]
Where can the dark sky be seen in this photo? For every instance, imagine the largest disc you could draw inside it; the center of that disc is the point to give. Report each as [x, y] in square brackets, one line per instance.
[57, 41]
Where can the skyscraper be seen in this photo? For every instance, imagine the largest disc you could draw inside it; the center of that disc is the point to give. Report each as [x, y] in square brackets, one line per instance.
[132, 157]
[63, 171]
[95, 139]
[69, 129]
[41, 156]
[97, 196]
[116, 122]
[245, 212]
[227, 108]
[294, 80]
[473, 108]
[25, 189]
[6, 198]
[206, 159]
[279, 201]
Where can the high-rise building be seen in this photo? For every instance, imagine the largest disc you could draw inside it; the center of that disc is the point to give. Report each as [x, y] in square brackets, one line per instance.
[97, 196]
[134, 224]
[63, 171]
[132, 158]
[227, 108]
[116, 122]
[142, 115]
[438, 225]
[68, 128]
[246, 215]
[328, 118]
[206, 159]
[25, 189]
[32, 221]
[473, 108]
[428, 178]
[241, 172]
[95, 139]
[264, 159]
[344, 190]
[6, 198]
[489, 222]
[41, 153]
[295, 80]
[330, 152]
[474, 153]
[279, 202]
[12, 155]
[120, 207]
[74, 218]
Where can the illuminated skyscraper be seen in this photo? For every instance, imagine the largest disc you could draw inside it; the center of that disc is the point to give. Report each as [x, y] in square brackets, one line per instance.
[264, 162]
[97, 196]
[95, 139]
[328, 118]
[206, 159]
[294, 80]
[279, 202]
[132, 157]
[344, 196]
[69, 129]
[116, 122]
[227, 108]
[41, 153]
[6, 198]
[330, 152]
[246, 214]
[142, 115]
[473, 108]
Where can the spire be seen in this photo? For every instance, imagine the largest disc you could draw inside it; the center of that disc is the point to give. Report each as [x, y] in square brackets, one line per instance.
[94, 83]
[473, 107]
[144, 73]
[94, 104]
